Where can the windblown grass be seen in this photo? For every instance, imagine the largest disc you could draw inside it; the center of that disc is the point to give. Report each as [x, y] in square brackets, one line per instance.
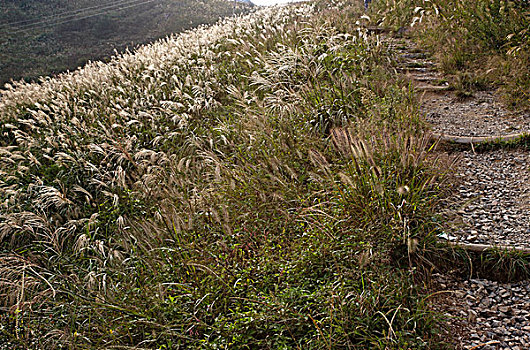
[260, 183]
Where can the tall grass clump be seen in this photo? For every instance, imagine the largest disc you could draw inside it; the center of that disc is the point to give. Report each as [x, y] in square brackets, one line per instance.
[259, 183]
[480, 43]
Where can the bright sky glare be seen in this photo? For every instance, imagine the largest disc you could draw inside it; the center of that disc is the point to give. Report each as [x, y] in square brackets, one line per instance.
[271, 2]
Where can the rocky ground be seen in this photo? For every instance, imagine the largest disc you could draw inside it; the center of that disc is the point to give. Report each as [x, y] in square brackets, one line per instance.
[479, 115]
[491, 205]
[492, 202]
[486, 314]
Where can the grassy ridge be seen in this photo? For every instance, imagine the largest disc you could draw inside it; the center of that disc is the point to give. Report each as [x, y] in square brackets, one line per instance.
[65, 36]
[262, 183]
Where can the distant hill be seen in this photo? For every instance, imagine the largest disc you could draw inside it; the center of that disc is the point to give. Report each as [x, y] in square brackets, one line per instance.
[47, 37]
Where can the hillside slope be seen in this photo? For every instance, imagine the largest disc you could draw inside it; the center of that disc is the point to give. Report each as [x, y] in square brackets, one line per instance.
[43, 38]
[260, 183]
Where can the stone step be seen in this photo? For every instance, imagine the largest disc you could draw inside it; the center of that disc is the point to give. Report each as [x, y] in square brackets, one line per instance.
[431, 88]
[413, 55]
[479, 139]
[416, 69]
[418, 64]
[436, 80]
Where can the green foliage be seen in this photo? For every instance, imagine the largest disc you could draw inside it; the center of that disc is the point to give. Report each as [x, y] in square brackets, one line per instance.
[262, 183]
[494, 264]
[481, 43]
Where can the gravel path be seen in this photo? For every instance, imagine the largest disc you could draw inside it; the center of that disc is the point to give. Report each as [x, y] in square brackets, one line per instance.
[493, 198]
[480, 115]
[491, 205]
[486, 312]
[492, 202]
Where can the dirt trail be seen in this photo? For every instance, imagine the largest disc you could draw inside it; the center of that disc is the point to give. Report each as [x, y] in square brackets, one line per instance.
[491, 204]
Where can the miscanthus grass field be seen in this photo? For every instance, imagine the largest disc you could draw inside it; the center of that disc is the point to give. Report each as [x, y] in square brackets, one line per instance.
[262, 183]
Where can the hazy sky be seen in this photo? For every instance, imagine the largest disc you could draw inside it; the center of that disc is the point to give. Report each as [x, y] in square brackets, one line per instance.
[271, 2]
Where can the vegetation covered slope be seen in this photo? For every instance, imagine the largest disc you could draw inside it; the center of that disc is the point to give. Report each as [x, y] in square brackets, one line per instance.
[260, 183]
[46, 37]
[479, 44]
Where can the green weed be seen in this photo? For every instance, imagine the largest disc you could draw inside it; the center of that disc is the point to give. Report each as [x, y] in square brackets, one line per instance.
[261, 183]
